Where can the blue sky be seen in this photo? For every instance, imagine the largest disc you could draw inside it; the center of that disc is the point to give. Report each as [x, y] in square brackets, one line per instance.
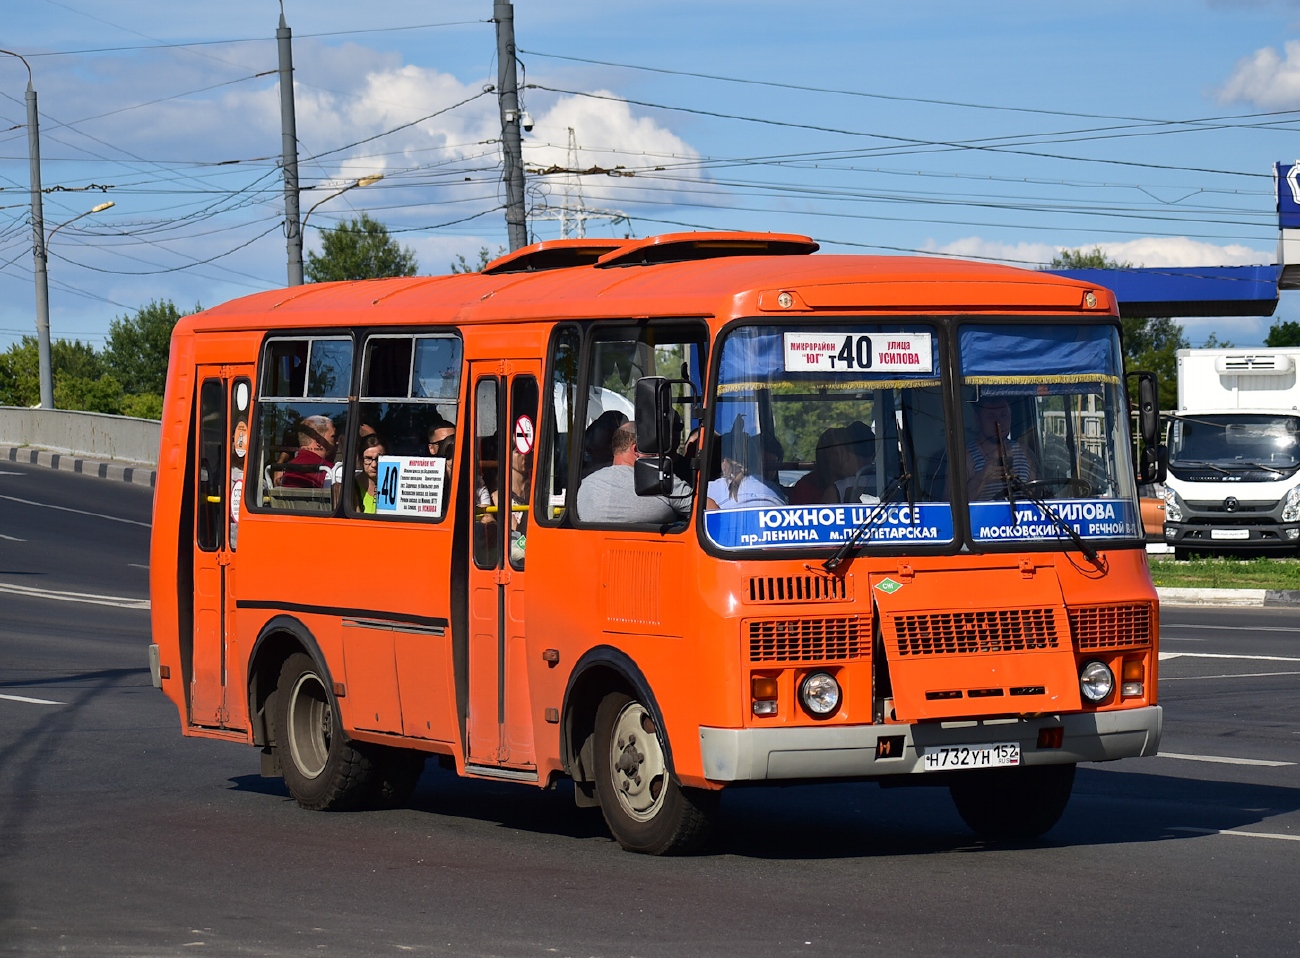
[1001, 130]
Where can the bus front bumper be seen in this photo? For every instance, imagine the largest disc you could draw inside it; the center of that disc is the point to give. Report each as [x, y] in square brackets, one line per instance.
[871, 751]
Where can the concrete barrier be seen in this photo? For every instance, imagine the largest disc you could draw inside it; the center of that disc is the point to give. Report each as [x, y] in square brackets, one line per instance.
[91, 435]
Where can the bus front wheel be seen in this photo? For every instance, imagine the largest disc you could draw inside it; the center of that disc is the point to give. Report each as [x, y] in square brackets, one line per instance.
[322, 768]
[1013, 803]
[646, 810]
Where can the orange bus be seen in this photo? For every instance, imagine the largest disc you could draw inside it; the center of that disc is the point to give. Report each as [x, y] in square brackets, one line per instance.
[662, 516]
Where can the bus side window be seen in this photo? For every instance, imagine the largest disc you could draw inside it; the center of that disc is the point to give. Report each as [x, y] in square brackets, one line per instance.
[302, 416]
[558, 434]
[404, 448]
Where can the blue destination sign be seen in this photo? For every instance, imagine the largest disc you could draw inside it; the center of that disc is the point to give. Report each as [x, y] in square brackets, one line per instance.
[795, 526]
[1090, 518]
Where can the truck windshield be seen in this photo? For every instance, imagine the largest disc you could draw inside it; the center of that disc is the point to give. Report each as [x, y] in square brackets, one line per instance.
[1247, 441]
[817, 432]
[1046, 430]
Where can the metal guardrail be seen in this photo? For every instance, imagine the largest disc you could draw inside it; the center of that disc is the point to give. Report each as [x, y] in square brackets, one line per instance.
[89, 434]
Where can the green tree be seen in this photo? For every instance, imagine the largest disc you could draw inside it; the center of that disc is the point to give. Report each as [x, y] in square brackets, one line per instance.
[80, 377]
[138, 347]
[359, 249]
[484, 257]
[1212, 341]
[1283, 334]
[1150, 343]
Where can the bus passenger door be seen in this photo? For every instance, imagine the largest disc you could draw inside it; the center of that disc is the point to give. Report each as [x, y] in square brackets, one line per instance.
[221, 446]
[504, 414]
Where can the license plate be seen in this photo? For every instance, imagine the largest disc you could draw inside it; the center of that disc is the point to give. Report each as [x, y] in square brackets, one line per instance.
[971, 756]
[1229, 533]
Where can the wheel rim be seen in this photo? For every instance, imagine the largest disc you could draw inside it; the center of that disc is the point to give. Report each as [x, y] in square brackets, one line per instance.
[637, 763]
[311, 725]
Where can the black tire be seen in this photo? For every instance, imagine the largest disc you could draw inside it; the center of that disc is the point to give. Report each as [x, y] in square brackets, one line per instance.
[646, 810]
[1182, 555]
[323, 769]
[397, 773]
[1012, 803]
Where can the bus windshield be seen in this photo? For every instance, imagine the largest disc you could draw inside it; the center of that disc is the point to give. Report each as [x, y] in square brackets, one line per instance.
[1046, 432]
[820, 433]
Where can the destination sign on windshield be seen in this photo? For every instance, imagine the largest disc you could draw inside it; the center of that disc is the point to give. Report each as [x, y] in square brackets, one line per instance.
[840, 352]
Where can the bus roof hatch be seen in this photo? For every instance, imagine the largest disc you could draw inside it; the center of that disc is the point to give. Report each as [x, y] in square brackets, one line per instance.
[682, 247]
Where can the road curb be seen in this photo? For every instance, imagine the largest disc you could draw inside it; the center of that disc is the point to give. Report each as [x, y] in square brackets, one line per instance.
[1252, 598]
[134, 473]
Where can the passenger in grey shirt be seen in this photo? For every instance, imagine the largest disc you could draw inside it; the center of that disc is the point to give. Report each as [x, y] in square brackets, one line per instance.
[609, 494]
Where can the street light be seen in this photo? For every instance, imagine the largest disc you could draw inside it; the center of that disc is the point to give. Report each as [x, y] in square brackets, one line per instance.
[302, 230]
[42, 244]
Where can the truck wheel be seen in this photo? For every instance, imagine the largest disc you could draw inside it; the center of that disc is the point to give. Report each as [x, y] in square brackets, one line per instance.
[646, 811]
[323, 770]
[1015, 803]
[1182, 555]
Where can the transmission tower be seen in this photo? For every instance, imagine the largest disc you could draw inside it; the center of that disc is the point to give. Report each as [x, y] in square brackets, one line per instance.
[573, 213]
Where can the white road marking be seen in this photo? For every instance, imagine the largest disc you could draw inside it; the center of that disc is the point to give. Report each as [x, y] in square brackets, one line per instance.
[6, 472]
[1230, 675]
[1223, 655]
[11, 538]
[80, 512]
[1226, 760]
[23, 698]
[136, 565]
[1230, 628]
[117, 601]
[1237, 832]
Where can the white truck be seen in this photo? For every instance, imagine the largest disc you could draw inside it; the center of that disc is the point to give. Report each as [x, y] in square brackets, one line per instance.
[1234, 451]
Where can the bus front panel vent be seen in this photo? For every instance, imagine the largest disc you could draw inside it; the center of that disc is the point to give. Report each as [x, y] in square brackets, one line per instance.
[809, 640]
[1111, 626]
[959, 633]
[797, 588]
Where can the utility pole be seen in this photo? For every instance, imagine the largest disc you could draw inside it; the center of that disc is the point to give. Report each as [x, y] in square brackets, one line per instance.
[289, 145]
[503, 13]
[38, 252]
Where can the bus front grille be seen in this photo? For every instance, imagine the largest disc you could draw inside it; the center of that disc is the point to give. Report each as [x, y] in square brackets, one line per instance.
[797, 588]
[1111, 626]
[956, 633]
[805, 640]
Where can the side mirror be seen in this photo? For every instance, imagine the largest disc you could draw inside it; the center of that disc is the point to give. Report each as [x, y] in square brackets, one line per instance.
[654, 416]
[653, 476]
[1148, 408]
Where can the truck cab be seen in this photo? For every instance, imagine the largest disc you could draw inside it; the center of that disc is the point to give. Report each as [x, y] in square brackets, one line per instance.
[1234, 453]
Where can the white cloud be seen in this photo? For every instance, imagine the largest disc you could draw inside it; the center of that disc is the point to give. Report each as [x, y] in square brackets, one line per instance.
[1013, 254]
[608, 136]
[1170, 251]
[1266, 79]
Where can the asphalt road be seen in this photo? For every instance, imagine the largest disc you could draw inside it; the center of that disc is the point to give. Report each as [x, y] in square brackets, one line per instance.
[118, 837]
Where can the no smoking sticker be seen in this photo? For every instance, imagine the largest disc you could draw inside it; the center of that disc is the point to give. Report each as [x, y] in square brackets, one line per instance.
[523, 435]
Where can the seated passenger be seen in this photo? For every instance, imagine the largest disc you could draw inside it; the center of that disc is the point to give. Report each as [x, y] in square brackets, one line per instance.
[859, 459]
[368, 482]
[986, 472]
[312, 465]
[442, 444]
[597, 451]
[609, 494]
[739, 486]
[842, 454]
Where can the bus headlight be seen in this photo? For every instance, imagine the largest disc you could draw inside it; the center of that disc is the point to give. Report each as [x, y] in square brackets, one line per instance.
[1291, 508]
[1173, 511]
[1096, 681]
[820, 694]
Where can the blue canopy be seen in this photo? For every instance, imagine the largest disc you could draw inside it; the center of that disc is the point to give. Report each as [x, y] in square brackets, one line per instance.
[1049, 354]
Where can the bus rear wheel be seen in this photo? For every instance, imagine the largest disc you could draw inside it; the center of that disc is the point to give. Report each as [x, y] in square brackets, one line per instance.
[646, 810]
[323, 769]
[1013, 803]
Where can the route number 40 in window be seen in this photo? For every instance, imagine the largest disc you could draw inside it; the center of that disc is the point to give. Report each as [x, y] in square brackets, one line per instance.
[854, 354]
[841, 352]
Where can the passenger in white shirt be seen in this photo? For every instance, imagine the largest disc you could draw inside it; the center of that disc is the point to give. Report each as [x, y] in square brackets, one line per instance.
[739, 487]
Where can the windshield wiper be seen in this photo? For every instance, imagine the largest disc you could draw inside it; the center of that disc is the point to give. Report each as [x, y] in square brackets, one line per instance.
[1199, 462]
[1080, 543]
[849, 548]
